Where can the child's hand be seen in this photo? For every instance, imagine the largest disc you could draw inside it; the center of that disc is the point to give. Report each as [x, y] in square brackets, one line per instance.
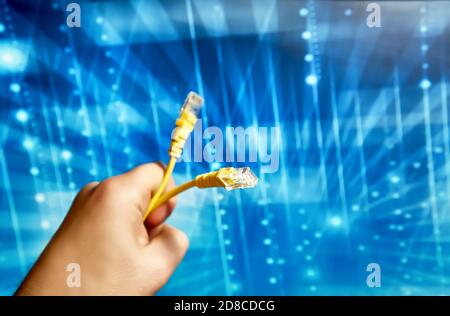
[104, 234]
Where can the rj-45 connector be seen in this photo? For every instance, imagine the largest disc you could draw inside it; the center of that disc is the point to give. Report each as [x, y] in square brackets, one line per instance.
[185, 123]
[228, 178]
[240, 178]
[193, 103]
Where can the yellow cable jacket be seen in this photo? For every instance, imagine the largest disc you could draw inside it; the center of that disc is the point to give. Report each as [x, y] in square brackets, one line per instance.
[206, 180]
[162, 187]
[168, 195]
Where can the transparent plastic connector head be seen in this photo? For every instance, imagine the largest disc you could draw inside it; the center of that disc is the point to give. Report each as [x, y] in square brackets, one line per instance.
[193, 103]
[237, 178]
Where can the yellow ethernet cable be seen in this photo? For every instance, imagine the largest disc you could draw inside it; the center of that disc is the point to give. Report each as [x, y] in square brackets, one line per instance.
[162, 186]
[228, 178]
[184, 126]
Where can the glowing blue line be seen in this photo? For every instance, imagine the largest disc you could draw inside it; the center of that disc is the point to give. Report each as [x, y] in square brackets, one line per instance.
[59, 119]
[276, 114]
[317, 119]
[198, 74]
[249, 68]
[360, 142]
[297, 133]
[380, 104]
[431, 175]
[398, 111]
[103, 135]
[13, 212]
[340, 167]
[55, 160]
[430, 165]
[273, 252]
[155, 117]
[225, 268]
[86, 120]
[243, 236]
[446, 133]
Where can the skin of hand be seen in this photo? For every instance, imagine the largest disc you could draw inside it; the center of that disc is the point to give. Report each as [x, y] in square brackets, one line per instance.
[103, 232]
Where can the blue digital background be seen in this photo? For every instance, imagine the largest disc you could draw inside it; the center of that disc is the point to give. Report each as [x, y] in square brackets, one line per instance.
[364, 171]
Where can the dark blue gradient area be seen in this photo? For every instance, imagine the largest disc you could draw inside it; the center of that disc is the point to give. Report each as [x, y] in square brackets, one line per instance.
[364, 159]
